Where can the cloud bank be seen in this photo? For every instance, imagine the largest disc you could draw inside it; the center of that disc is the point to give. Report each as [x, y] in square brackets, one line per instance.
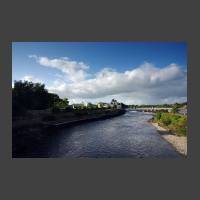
[142, 85]
[75, 71]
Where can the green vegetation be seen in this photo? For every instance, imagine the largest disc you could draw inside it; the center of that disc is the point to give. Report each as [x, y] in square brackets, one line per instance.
[176, 106]
[33, 96]
[174, 122]
[61, 104]
[28, 96]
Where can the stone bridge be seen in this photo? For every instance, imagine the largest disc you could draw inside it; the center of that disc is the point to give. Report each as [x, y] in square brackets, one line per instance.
[152, 109]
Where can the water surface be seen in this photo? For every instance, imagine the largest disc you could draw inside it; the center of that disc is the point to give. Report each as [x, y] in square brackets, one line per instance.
[125, 136]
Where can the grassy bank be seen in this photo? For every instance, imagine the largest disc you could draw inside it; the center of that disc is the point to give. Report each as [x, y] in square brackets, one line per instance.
[175, 123]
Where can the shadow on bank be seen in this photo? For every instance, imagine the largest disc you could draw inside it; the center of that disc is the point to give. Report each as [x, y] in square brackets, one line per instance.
[30, 134]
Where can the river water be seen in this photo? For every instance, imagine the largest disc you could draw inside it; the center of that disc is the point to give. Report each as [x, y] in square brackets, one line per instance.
[125, 136]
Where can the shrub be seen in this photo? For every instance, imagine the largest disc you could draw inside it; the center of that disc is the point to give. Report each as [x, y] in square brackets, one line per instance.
[182, 125]
[174, 122]
[158, 115]
[182, 131]
[165, 119]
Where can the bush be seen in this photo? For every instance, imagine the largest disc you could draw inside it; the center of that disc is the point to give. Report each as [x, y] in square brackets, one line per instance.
[158, 115]
[165, 119]
[182, 125]
[174, 122]
[182, 131]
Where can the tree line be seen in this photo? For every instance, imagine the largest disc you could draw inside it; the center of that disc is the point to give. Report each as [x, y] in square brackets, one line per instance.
[33, 96]
[176, 105]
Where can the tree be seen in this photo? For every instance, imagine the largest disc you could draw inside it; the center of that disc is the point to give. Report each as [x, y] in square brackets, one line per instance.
[114, 103]
[124, 105]
[90, 106]
[65, 103]
[62, 103]
[52, 99]
[175, 108]
[32, 96]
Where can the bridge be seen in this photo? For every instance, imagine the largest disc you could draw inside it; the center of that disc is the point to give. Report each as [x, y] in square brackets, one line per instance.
[152, 109]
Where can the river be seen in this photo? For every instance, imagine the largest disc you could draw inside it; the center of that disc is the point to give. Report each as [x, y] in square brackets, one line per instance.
[126, 136]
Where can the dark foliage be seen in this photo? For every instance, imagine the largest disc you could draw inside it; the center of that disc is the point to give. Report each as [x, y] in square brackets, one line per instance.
[31, 96]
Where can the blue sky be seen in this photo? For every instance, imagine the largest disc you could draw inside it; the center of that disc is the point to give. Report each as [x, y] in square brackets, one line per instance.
[86, 61]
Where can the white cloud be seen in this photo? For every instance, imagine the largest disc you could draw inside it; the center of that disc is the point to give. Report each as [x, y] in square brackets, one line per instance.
[75, 71]
[31, 79]
[144, 84]
[58, 87]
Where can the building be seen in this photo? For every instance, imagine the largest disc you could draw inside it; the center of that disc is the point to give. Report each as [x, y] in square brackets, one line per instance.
[183, 110]
[77, 106]
[85, 104]
[103, 105]
[119, 106]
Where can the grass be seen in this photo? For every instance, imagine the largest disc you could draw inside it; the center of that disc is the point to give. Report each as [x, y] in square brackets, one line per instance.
[176, 123]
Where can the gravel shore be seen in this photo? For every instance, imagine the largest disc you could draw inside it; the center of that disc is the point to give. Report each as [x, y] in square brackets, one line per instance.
[178, 142]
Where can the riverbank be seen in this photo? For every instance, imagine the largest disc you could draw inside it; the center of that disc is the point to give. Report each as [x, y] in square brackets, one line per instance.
[30, 131]
[49, 119]
[178, 142]
[84, 117]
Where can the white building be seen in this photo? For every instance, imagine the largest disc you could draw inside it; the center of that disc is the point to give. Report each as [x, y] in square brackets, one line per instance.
[119, 106]
[183, 110]
[103, 105]
[76, 106]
